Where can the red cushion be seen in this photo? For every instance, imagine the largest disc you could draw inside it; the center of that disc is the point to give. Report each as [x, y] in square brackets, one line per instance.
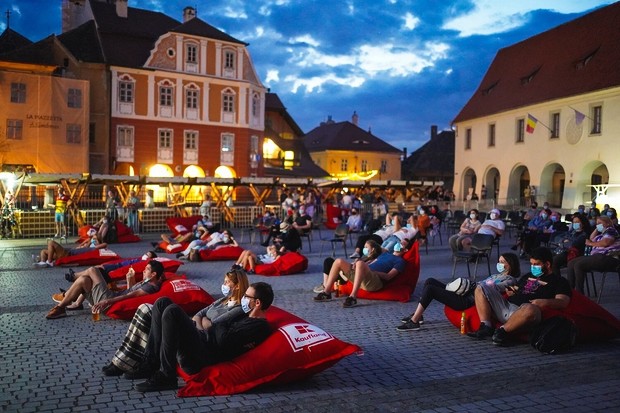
[400, 287]
[289, 263]
[170, 266]
[94, 257]
[221, 254]
[173, 248]
[295, 351]
[189, 296]
[593, 322]
[124, 234]
[181, 225]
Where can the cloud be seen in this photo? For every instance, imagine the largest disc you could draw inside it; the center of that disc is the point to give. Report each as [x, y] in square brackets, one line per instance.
[16, 9]
[411, 21]
[317, 82]
[306, 39]
[273, 75]
[489, 17]
[236, 13]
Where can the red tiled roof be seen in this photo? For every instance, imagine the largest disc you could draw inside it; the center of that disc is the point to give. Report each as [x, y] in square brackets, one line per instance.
[577, 57]
[345, 136]
[201, 28]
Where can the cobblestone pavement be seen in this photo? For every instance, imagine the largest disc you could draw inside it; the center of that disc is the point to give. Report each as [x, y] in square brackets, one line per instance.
[54, 365]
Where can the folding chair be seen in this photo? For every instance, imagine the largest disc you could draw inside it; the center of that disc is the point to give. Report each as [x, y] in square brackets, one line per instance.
[341, 233]
[481, 247]
[604, 276]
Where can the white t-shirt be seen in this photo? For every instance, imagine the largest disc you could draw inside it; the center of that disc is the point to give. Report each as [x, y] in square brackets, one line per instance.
[495, 223]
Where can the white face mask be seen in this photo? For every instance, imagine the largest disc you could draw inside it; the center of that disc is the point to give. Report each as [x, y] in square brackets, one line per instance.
[225, 289]
[493, 216]
[245, 304]
[225, 238]
[145, 257]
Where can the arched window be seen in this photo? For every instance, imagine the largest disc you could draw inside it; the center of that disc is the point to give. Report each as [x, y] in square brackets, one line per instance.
[228, 105]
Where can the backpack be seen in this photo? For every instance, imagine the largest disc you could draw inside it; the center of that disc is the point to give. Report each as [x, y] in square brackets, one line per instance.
[111, 236]
[554, 335]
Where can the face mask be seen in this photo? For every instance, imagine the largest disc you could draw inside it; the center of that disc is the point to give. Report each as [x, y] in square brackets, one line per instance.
[398, 247]
[543, 216]
[600, 228]
[409, 226]
[245, 304]
[554, 218]
[422, 212]
[225, 238]
[301, 212]
[145, 257]
[576, 226]
[545, 206]
[393, 222]
[365, 251]
[609, 214]
[536, 270]
[225, 289]
[500, 267]
[472, 216]
[580, 210]
[493, 216]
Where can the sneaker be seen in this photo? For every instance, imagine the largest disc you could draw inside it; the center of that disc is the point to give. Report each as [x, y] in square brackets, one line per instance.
[483, 332]
[57, 298]
[408, 326]
[349, 302]
[56, 312]
[56, 235]
[158, 382]
[74, 307]
[143, 371]
[408, 318]
[318, 289]
[111, 370]
[236, 267]
[70, 276]
[500, 337]
[251, 271]
[41, 264]
[354, 255]
[323, 296]
[49, 264]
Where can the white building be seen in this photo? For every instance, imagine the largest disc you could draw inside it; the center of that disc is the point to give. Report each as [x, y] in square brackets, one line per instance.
[568, 79]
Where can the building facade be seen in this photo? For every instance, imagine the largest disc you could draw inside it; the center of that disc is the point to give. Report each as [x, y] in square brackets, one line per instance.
[547, 117]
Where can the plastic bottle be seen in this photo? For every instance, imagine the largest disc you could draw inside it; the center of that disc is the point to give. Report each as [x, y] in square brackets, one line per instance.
[337, 289]
[463, 323]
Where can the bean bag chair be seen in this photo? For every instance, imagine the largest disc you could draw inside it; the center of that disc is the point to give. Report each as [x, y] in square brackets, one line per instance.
[221, 254]
[189, 296]
[593, 322]
[400, 287]
[170, 266]
[182, 225]
[124, 234]
[289, 263]
[173, 248]
[89, 258]
[295, 351]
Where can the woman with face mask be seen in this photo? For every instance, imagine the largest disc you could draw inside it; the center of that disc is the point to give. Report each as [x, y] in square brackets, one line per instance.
[130, 353]
[572, 245]
[604, 242]
[469, 227]
[533, 235]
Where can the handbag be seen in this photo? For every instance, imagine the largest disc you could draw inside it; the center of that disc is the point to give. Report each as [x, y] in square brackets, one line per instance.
[460, 286]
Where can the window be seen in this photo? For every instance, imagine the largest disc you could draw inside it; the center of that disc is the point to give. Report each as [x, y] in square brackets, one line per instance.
[229, 59]
[14, 128]
[255, 105]
[383, 168]
[520, 132]
[191, 98]
[555, 125]
[227, 149]
[125, 91]
[468, 138]
[228, 103]
[364, 166]
[344, 165]
[192, 53]
[253, 144]
[124, 137]
[165, 95]
[491, 135]
[191, 140]
[165, 139]
[74, 98]
[18, 93]
[597, 119]
[74, 133]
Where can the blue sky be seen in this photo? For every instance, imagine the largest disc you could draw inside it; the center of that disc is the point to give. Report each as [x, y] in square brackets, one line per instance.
[403, 65]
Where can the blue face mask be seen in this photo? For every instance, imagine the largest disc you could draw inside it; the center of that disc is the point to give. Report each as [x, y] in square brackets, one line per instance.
[500, 267]
[554, 218]
[536, 270]
[225, 289]
[245, 304]
[543, 216]
[365, 251]
[576, 226]
[600, 228]
[609, 214]
[580, 210]
[409, 226]
[398, 247]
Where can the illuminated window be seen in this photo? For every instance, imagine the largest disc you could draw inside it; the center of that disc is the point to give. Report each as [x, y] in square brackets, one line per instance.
[344, 165]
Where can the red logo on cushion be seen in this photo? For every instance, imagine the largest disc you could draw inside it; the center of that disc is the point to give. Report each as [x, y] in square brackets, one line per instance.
[183, 285]
[304, 335]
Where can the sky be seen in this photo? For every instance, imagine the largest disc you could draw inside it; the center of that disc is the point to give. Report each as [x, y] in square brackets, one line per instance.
[402, 65]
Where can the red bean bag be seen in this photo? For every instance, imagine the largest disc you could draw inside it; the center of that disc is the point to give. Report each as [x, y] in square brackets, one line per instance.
[296, 350]
[124, 234]
[89, 258]
[170, 266]
[289, 263]
[173, 248]
[400, 287]
[593, 322]
[189, 296]
[221, 254]
[182, 225]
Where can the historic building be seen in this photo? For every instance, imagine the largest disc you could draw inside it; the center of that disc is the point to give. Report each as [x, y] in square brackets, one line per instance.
[433, 161]
[547, 115]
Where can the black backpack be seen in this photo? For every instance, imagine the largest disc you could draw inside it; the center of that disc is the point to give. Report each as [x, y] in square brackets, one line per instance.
[554, 335]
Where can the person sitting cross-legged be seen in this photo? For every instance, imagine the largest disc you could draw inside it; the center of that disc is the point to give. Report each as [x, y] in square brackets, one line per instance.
[370, 273]
[522, 309]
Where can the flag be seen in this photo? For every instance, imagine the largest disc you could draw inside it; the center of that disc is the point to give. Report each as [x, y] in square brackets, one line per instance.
[579, 117]
[531, 123]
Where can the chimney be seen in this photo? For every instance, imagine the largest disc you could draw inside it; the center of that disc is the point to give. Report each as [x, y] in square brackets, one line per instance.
[405, 152]
[433, 131]
[121, 8]
[355, 118]
[188, 14]
[329, 120]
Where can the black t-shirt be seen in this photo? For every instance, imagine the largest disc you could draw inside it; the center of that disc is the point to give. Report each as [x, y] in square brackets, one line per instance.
[545, 286]
[291, 240]
[302, 220]
[228, 340]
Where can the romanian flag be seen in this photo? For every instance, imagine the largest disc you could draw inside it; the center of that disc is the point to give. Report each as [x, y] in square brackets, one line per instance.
[530, 124]
[579, 117]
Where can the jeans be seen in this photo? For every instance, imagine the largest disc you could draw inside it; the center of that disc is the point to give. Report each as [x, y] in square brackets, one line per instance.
[580, 266]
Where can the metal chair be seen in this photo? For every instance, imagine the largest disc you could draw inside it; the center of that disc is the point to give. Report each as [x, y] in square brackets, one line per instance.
[308, 235]
[341, 233]
[481, 247]
[604, 276]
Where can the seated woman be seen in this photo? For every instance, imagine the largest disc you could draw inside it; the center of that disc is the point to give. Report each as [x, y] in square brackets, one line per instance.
[131, 351]
[537, 229]
[605, 244]
[509, 270]
[208, 241]
[392, 224]
[249, 259]
[469, 227]
[96, 291]
[573, 243]
[55, 251]
[102, 227]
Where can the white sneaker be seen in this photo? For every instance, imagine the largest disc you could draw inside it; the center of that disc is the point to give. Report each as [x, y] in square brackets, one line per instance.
[56, 235]
[319, 289]
[41, 264]
[49, 264]
[354, 255]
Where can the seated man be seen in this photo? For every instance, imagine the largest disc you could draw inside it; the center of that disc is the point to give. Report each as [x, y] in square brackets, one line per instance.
[522, 309]
[493, 225]
[55, 251]
[302, 221]
[288, 240]
[354, 222]
[174, 338]
[96, 290]
[369, 273]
